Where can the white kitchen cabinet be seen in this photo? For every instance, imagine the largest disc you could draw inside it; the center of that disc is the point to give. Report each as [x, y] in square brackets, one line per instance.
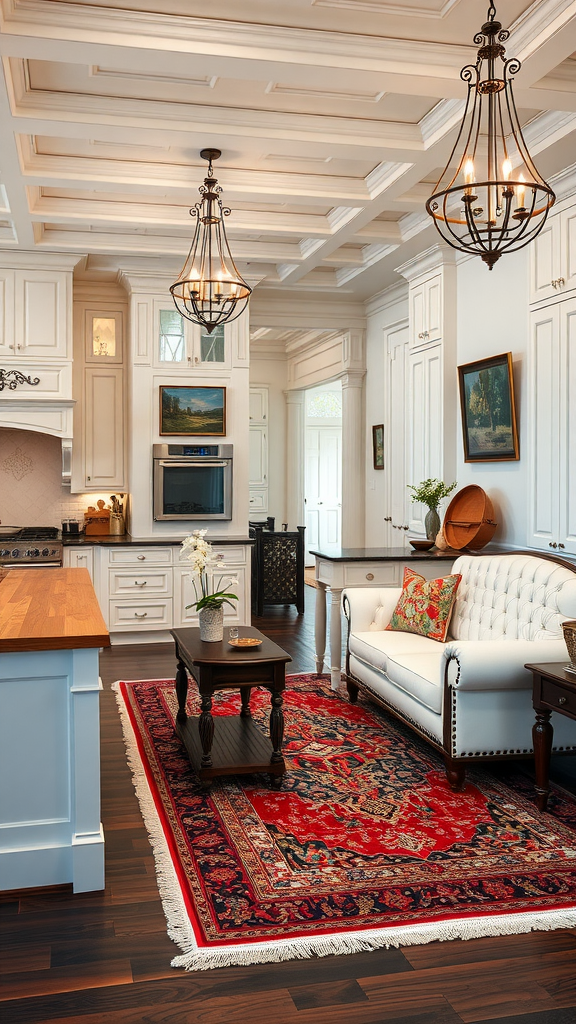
[145, 588]
[41, 314]
[425, 423]
[428, 414]
[258, 450]
[103, 422]
[553, 258]
[258, 406]
[182, 345]
[79, 558]
[35, 314]
[552, 424]
[99, 449]
[426, 300]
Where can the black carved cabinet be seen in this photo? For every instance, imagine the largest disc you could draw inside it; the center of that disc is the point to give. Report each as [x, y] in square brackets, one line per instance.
[277, 567]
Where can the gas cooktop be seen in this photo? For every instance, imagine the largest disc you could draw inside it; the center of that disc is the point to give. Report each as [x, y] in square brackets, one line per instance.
[30, 545]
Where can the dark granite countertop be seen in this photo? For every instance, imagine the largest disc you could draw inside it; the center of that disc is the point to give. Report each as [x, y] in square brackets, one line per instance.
[383, 554]
[125, 539]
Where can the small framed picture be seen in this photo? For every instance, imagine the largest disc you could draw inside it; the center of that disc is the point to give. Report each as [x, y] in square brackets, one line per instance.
[192, 411]
[378, 446]
[488, 410]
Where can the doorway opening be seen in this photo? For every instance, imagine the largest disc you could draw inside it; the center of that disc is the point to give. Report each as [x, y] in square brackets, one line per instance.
[323, 467]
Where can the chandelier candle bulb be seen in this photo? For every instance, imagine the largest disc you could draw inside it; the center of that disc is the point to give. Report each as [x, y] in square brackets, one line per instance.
[486, 224]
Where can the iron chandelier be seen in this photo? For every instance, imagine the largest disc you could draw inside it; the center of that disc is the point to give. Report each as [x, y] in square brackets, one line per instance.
[210, 291]
[490, 198]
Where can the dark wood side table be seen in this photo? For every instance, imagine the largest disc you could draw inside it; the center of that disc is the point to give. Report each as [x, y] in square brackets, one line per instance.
[232, 746]
[554, 689]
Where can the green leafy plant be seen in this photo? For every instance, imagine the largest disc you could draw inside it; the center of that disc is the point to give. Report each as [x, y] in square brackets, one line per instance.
[431, 492]
[204, 562]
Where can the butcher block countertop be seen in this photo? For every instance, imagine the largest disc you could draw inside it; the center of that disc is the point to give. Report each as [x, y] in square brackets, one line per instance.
[49, 610]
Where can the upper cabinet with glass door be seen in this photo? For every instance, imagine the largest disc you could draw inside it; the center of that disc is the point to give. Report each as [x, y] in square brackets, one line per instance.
[182, 345]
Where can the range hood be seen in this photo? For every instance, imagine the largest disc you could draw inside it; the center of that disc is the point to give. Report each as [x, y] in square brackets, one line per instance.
[45, 416]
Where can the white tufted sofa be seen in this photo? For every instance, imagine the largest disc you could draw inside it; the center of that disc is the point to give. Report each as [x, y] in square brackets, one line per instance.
[471, 697]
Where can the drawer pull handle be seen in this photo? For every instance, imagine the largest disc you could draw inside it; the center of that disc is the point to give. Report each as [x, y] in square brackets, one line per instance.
[141, 558]
[137, 584]
[562, 700]
[369, 575]
[140, 615]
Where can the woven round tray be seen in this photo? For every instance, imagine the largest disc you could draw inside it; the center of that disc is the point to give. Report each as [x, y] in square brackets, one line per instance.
[569, 630]
[469, 520]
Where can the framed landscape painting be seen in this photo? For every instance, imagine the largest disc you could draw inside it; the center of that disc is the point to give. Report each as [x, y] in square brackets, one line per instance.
[378, 446]
[194, 412]
[488, 410]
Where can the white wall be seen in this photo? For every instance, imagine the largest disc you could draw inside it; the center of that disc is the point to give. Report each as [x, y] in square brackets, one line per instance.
[493, 318]
[272, 373]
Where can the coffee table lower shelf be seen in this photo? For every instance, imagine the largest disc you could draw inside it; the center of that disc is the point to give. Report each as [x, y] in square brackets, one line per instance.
[238, 748]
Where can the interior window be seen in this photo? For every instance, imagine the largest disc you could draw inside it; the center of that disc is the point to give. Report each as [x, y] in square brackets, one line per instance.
[212, 346]
[171, 336]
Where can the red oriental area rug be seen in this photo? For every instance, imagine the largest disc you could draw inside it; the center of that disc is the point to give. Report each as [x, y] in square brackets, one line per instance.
[364, 846]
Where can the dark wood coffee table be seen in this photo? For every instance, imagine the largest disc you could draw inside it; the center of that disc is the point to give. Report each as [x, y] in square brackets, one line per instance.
[231, 746]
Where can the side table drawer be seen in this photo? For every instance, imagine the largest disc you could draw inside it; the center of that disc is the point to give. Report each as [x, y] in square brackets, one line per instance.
[556, 696]
[371, 574]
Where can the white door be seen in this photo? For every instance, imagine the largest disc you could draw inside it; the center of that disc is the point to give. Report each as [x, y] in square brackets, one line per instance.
[323, 488]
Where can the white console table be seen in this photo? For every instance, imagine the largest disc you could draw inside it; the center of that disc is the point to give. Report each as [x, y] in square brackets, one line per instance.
[337, 568]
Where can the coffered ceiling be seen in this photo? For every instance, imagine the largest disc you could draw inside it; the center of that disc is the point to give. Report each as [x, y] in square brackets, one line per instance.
[333, 117]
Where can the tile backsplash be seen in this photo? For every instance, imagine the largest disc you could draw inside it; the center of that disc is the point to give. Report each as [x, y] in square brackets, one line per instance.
[31, 491]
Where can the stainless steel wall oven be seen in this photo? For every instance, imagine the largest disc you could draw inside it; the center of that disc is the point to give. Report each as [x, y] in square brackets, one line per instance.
[192, 481]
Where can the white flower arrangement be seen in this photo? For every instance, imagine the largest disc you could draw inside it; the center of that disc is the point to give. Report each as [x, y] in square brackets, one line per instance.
[199, 552]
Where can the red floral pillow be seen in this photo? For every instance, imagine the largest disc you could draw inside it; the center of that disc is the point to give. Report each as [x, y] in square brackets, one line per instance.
[425, 606]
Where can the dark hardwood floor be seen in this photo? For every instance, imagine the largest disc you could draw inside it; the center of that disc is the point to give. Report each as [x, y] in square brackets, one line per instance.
[104, 958]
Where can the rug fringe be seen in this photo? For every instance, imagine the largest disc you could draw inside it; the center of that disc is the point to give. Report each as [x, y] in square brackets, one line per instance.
[369, 941]
[193, 958]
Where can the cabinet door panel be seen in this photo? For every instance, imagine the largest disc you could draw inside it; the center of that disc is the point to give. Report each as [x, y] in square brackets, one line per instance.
[434, 309]
[568, 427]
[258, 456]
[7, 343]
[417, 315]
[568, 263]
[41, 314]
[104, 426]
[79, 558]
[544, 428]
[258, 405]
[545, 261]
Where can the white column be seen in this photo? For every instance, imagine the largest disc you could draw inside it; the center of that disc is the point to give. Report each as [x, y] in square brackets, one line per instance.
[295, 459]
[353, 459]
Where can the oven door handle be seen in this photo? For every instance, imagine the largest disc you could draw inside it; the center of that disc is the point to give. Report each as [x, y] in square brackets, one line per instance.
[193, 463]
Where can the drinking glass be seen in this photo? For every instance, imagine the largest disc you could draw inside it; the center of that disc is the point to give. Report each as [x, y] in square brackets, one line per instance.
[233, 633]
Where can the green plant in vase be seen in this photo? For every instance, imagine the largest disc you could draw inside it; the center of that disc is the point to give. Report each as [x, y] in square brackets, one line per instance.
[430, 493]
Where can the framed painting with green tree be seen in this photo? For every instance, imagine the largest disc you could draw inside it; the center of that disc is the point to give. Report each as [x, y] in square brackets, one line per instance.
[193, 411]
[489, 428]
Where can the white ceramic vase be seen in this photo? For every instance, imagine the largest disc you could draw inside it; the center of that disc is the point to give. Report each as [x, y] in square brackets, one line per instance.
[211, 622]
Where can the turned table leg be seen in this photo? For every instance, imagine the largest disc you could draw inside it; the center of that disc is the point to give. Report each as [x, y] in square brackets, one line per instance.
[181, 690]
[206, 730]
[542, 733]
[245, 694]
[277, 726]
